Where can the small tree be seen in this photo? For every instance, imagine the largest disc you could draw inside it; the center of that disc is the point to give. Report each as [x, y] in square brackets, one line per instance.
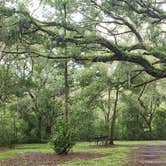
[63, 141]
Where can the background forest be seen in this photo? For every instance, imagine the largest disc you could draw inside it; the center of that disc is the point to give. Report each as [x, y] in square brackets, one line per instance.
[32, 103]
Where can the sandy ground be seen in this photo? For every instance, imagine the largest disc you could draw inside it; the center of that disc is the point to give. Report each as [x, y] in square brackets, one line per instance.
[149, 155]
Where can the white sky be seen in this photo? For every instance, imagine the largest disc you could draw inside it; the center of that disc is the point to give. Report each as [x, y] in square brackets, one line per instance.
[41, 12]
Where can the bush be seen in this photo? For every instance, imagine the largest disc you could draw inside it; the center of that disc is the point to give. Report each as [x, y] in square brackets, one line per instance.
[63, 142]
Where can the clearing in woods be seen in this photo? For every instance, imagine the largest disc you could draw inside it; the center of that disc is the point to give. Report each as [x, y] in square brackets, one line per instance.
[124, 153]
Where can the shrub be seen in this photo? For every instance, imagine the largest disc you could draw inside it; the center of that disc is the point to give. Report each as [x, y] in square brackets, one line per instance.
[63, 141]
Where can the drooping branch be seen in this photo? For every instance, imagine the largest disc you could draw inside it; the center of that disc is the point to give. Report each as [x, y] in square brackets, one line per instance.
[116, 52]
[56, 24]
[119, 18]
[146, 9]
[139, 97]
[158, 73]
[146, 82]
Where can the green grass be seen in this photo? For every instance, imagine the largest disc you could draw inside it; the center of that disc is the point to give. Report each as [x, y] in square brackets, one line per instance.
[116, 156]
[19, 149]
[111, 160]
[139, 142]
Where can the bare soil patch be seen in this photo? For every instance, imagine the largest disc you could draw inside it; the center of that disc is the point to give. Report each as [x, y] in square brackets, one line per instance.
[3, 149]
[148, 155]
[38, 159]
[112, 146]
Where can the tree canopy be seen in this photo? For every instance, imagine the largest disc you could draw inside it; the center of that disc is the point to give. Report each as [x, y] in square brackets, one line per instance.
[99, 31]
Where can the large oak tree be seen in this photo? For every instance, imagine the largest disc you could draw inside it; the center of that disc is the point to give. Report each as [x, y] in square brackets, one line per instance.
[97, 31]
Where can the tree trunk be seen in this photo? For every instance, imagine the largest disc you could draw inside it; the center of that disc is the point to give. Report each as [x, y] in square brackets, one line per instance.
[14, 129]
[39, 135]
[114, 117]
[66, 79]
[107, 117]
[66, 98]
[150, 130]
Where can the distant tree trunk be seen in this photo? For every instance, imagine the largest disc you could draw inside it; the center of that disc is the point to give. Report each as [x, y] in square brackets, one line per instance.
[48, 130]
[148, 119]
[66, 98]
[114, 117]
[107, 116]
[66, 79]
[150, 131]
[39, 135]
[39, 116]
[14, 129]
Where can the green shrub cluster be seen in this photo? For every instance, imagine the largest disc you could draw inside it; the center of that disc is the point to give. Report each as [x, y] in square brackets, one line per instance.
[63, 140]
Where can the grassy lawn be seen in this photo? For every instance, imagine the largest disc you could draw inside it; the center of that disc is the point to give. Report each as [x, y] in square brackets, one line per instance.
[19, 149]
[117, 155]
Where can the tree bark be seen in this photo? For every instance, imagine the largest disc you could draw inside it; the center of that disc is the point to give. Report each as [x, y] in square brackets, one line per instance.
[39, 135]
[114, 117]
[66, 98]
[66, 80]
[150, 130]
[107, 118]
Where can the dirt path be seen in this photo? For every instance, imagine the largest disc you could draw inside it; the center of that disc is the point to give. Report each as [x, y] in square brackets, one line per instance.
[149, 155]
